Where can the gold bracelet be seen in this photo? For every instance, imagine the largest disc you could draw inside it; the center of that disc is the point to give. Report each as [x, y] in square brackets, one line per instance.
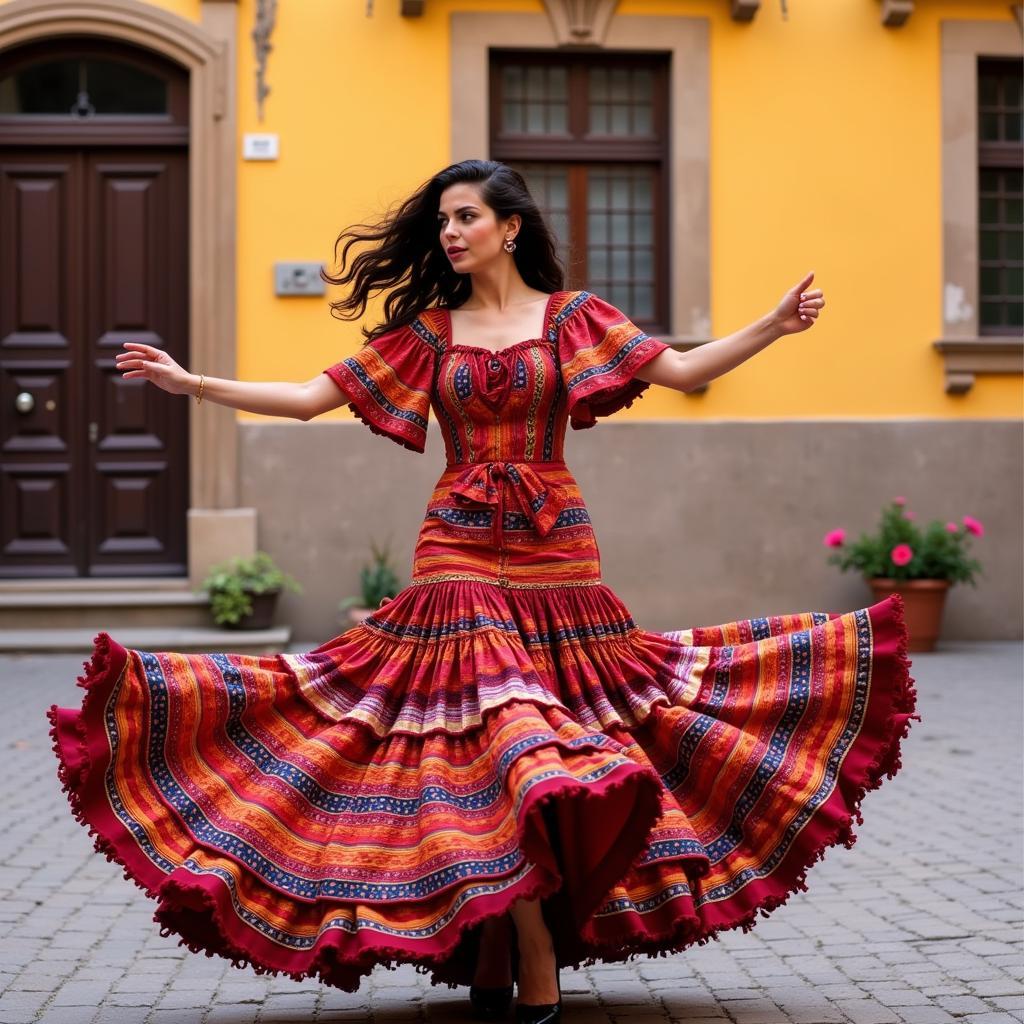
[199, 393]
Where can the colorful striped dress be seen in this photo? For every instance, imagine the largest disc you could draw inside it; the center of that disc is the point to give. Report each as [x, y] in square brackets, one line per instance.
[501, 729]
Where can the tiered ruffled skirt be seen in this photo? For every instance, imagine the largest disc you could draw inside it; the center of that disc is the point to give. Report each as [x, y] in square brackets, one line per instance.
[374, 800]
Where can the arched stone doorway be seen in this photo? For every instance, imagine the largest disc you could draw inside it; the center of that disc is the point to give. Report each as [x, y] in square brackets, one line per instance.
[207, 52]
[94, 221]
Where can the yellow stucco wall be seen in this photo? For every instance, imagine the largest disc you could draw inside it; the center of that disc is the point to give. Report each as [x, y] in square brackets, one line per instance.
[362, 108]
[815, 165]
[825, 145]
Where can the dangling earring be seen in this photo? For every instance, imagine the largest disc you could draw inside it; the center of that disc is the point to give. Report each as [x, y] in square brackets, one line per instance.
[509, 246]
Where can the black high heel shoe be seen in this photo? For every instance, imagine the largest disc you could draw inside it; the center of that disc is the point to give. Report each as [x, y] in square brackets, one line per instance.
[541, 1013]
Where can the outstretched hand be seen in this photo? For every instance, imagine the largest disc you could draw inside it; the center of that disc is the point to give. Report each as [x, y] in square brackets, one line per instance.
[799, 307]
[154, 365]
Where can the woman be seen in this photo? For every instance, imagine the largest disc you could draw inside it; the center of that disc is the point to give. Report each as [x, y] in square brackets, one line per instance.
[499, 773]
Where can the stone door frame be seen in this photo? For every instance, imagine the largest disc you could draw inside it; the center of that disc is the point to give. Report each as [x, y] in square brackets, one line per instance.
[208, 51]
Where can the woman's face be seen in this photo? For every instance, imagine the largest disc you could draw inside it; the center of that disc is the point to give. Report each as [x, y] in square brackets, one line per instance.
[470, 234]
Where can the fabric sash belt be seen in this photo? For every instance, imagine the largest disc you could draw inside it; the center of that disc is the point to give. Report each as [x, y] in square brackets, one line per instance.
[484, 483]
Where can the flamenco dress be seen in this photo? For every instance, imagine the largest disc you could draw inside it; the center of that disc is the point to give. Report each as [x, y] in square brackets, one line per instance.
[501, 729]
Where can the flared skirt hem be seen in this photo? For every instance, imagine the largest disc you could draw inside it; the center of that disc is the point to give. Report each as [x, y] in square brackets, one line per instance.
[202, 911]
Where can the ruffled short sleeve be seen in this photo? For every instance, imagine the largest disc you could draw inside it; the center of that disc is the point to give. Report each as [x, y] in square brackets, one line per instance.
[388, 383]
[599, 350]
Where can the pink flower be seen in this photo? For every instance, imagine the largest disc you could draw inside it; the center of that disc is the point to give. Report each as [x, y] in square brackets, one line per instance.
[952, 527]
[909, 515]
[901, 554]
[974, 526]
[835, 538]
[899, 501]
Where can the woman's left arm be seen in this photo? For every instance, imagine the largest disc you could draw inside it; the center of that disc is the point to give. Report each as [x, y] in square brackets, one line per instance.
[686, 371]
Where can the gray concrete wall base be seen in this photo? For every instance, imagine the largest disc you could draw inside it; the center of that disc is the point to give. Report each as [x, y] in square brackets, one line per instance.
[697, 523]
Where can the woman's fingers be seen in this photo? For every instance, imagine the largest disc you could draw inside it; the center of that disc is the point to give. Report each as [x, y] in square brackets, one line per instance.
[137, 358]
[144, 362]
[137, 350]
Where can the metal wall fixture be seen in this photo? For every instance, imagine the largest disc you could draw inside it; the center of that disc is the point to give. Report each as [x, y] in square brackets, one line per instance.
[294, 278]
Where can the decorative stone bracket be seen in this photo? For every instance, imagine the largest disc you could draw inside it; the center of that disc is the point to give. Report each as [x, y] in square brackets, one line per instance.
[966, 357]
[744, 10]
[580, 22]
[896, 12]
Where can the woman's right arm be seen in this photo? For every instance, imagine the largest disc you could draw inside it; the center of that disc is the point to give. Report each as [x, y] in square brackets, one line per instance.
[300, 401]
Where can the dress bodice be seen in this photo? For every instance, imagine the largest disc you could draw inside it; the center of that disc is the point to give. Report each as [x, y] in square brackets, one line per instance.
[507, 404]
[502, 414]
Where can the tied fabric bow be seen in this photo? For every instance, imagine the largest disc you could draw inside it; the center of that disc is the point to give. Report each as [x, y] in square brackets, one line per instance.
[484, 483]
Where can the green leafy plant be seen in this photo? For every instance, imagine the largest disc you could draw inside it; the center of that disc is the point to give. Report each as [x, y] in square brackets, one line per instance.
[231, 585]
[899, 549]
[377, 581]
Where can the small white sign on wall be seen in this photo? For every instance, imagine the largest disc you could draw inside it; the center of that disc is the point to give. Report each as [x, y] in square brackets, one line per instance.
[259, 146]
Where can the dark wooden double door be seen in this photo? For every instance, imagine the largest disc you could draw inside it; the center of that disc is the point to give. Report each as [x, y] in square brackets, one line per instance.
[93, 253]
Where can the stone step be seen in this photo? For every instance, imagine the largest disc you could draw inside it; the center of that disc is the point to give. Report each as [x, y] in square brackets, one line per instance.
[104, 604]
[148, 638]
[84, 584]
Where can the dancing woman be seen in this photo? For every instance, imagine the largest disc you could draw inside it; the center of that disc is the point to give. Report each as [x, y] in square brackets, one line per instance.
[499, 773]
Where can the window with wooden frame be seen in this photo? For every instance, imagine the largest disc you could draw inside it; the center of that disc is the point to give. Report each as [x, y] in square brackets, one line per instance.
[100, 91]
[1000, 193]
[589, 133]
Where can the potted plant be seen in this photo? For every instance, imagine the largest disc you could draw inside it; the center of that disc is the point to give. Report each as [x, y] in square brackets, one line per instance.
[378, 583]
[243, 591]
[919, 563]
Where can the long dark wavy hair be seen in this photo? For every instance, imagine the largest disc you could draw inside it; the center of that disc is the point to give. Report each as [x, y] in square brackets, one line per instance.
[410, 263]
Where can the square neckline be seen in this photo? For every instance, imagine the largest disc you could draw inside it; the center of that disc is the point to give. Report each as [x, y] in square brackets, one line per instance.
[449, 346]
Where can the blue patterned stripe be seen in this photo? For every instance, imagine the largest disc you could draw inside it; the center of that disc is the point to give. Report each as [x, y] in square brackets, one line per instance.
[483, 518]
[437, 631]
[565, 312]
[612, 364]
[371, 387]
[421, 330]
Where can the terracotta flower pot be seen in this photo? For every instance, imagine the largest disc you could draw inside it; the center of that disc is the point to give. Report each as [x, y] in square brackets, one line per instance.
[358, 614]
[262, 614]
[923, 602]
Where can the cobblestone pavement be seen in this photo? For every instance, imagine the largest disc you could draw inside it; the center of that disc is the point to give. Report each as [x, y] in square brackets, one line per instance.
[919, 923]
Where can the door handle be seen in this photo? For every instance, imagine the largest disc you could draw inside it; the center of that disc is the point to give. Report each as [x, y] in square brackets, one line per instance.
[25, 402]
